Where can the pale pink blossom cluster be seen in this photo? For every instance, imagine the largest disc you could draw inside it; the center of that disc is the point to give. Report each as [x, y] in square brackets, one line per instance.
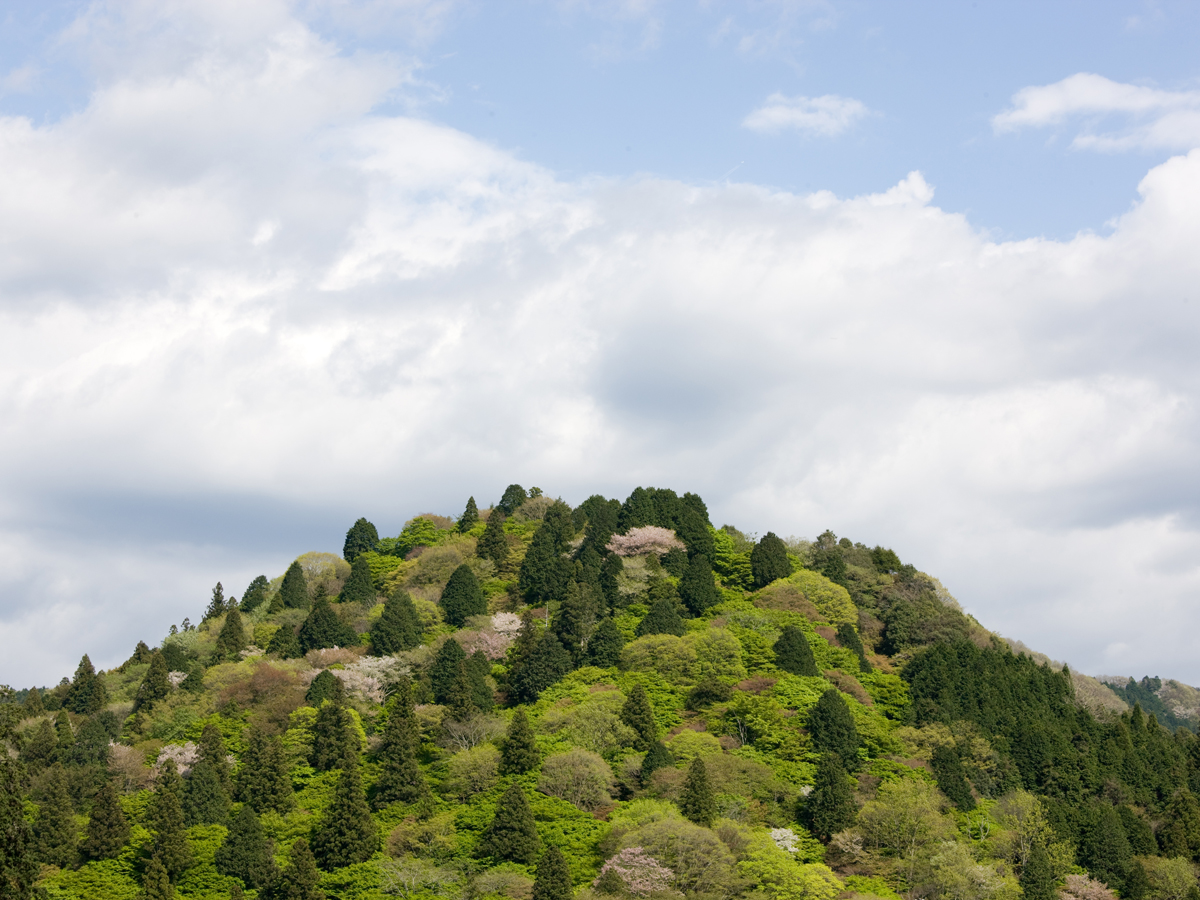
[184, 755]
[648, 539]
[506, 623]
[176, 678]
[785, 839]
[640, 872]
[1080, 887]
[328, 656]
[360, 684]
[492, 643]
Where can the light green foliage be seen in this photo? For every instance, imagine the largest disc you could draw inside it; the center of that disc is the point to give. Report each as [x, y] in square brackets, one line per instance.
[1170, 879]
[730, 565]
[904, 821]
[687, 745]
[594, 723]
[580, 777]
[889, 692]
[472, 772]
[954, 872]
[718, 655]
[871, 886]
[674, 658]
[418, 532]
[782, 878]
[700, 860]
[831, 600]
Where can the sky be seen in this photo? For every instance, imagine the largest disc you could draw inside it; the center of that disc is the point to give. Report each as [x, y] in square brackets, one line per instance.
[922, 274]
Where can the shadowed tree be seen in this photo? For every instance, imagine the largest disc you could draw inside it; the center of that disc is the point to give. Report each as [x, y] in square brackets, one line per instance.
[155, 685]
[469, 517]
[107, 829]
[255, 594]
[512, 835]
[335, 743]
[361, 538]
[217, 605]
[696, 801]
[263, 780]
[793, 653]
[848, 637]
[663, 618]
[832, 728]
[245, 853]
[638, 714]
[156, 882]
[553, 879]
[546, 570]
[518, 750]
[829, 808]
[54, 828]
[232, 640]
[345, 833]
[657, 757]
[463, 597]
[359, 588]
[293, 590]
[951, 777]
[769, 560]
[697, 588]
[604, 649]
[514, 495]
[322, 628]
[444, 669]
[326, 686]
[299, 879]
[400, 777]
[18, 862]
[165, 816]
[285, 644]
[87, 694]
[493, 544]
[399, 628]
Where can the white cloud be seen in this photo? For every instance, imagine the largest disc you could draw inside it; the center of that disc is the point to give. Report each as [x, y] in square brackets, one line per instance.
[1148, 118]
[828, 116]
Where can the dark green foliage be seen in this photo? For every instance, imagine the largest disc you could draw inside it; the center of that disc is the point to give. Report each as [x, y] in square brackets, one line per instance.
[399, 628]
[696, 801]
[156, 882]
[536, 661]
[463, 597]
[604, 649]
[165, 817]
[951, 777]
[478, 668]
[175, 657]
[553, 879]
[546, 570]
[361, 538]
[322, 628]
[262, 779]
[638, 714]
[1037, 875]
[637, 511]
[827, 558]
[793, 654]
[245, 853]
[575, 621]
[345, 834]
[326, 686]
[445, 668]
[232, 640]
[1103, 848]
[217, 605]
[107, 829]
[657, 757]
[1137, 883]
[41, 748]
[697, 588]
[54, 828]
[663, 618]
[609, 586]
[285, 644]
[707, 692]
[510, 502]
[299, 879]
[518, 751]
[493, 544]
[1138, 832]
[469, 517]
[675, 562]
[18, 863]
[601, 515]
[1180, 833]
[335, 743]
[359, 588]
[206, 790]
[829, 808]
[87, 694]
[512, 835]
[293, 590]
[65, 737]
[832, 728]
[33, 700]
[1144, 693]
[769, 560]
[885, 560]
[91, 743]
[848, 637]
[155, 685]
[400, 776]
[459, 702]
[194, 683]
[255, 594]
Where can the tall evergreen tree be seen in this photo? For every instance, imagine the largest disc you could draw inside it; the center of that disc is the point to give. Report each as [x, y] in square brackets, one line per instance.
[92, 743]
[245, 853]
[293, 590]
[335, 743]
[156, 882]
[463, 597]
[514, 495]
[107, 829]
[469, 517]
[54, 827]
[512, 835]
[33, 703]
[637, 511]
[832, 728]
[345, 833]
[769, 560]
[326, 686]
[170, 845]
[460, 705]
[601, 515]
[478, 669]
[232, 640]
[361, 538]
[828, 559]
[400, 776]
[575, 621]
[657, 757]
[1103, 848]
[604, 649]
[263, 780]
[299, 879]
[694, 529]
[534, 670]
[829, 807]
[553, 879]
[217, 605]
[65, 746]
[546, 570]
[638, 714]
[848, 637]
[206, 790]
[663, 618]
[951, 777]
[444, 669]
[493, 544]
[284, 643]
[39, 751]
[793, 653]
[697, 588]
[194, 683]
[18, 861]
[155, 685]
[518, 751]
[359, 587]
[87, 694]
[399, 628]
[322, 628]
[1037, 875]
[1180, 833]
[610, 586]
[255, 594]
[697, 802]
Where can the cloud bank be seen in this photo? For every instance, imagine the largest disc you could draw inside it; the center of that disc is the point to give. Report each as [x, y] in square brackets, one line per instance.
[239, 308]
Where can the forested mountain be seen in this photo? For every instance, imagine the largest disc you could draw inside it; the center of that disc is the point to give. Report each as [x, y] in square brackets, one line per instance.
[534, 702]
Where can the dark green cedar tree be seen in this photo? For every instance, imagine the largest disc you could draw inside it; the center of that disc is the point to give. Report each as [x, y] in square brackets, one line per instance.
[531, 672]
[1037, 875]
[284, 643]
[322, 628]
[217, 605]
[493, 544]
[92, 743]
[444, 669]
[1138, 831]
[793, 653]
[194, 683]
[575, 621]
[399, 628]
[459, 703]
[39, 751]
[553, 878]
[326, 686]
[708, 691]
[165, 816]
[518, 751]
[54, 828]
[827, 558]
[245, 852]
[155, 685]
[610, 586]
[696, 800]
[232, 640]
[463, 597]
[675, 562]
[604, 649]
[299, 879]
[1180, 832]
[514, 495]
[469, 517]
[1103, 848]
[107, 829]
[638, 713]
[829, 807]
[87, 694]
[65, 746]
[637, 511]
[156, 882]
[361, 538]
[359, 587]
[479, 667]
[206, 789]
[546, 570]
[693, 527]
[697, 588]
[769, 560]
[255, 594]
[511, 836]
[952, 777]
[832, 728]
[657, 757]
[345, 833]
[293, 590]
[400, 776]
[848, 637]
[18, 862]
[263, 780]
[663, 618]
[335, 741]
[33, 701]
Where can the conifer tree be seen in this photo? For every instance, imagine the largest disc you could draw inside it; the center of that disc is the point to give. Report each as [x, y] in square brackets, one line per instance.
[545, 571]
[663, 618]
[951, 777]
[359, 587]
[832, 728]
[345, 834]
[793, 653]
[769, 560]
[637, 511]
[459, 702]
[610, 586]
[553, 879]
[575, 621]
[326, 686]
[400, 777]
[469, 517]
[156, 882]
[1037, 875]
[399, 628]
[604, 649]
[255, 594]
[335, 744]
[107, 829]
[535, 669]
[41, 749]
[829, 808]
[493, 544]
[444, 669]
[512, 835]
[33, 703]
[300, 877]
[518, 751]
[65, 737]
[1180, 833]
[92, 743]
[293, 590]
[848, 637]
[693, 528]
[657, 757]
[245, 853]
[87, 694]
[206, 790]
[696, 801]
[54, 828]
[232, 640]
[322, 628]
[361, 538]
[170, 845]
[514, 495]
[697, 588]
[155, 685]
[284, 643]
[18, 861]
[263, 780]
[194, 683]
[463, 597]
[216, 606]
[638, 714]
[478, 669]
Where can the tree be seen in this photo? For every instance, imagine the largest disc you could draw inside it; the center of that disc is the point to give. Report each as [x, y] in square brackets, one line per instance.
[400, 777]
[638, 714]
[54, 828]
[445, 669]
[1038, 881]
[155, 685]
[361, 538]
[245, 853]
[216, 606]
[255, 594]
[335, 743]
[657, 757]
[832, 728]
[459, 701]
[793, 653]
[696, 801]
[663, 618]
[581, 777]
[33, 700]
[1103, 848]
[156, 882]
[575, 620]
[536, 665]
[399, 628]
[18, 863]
[478, 668]
[951, 777]
[848, 637]
[299, 879]
[545, 571]
[284, 643]
[206, 790]
[697, 588]
[194, 683]
[827, 558]
[1180, 833]
[604, 649]
[322, 628]
[263, 781]
[518, 751]
[829, 808]
[65, 736]
[326, 686]
[359, 588]
[469, 517]
[232, 640]
[40, 750]
[493, 544]
[553, 879]
[769, 560]
[463, 597]
[345, 834]
[293, 590]
[107, 829]
[610, 586]
[512, 835]
[170, 845]
[87, 694]
[514, 495]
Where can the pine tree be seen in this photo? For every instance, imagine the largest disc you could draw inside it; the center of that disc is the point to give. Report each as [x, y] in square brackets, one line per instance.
[322, 628]
[769, 560]
[400, 777]
[1037, 875]
[512, 835]
[951, 777]
[518, 751]
[65, 737]
[361, 538]
[663, 618]
[463, 597]
[694, 528]
[657, 757]
[553, 879]
[345, 834]
[18, 861]
[156, 882]
[107, 829]
[92, 743]
[829, 808]
[40, 750]
[54, 828]
[493, 544]
[399, 628]
[263, 780]
[155, 685]
[326, 686]
[245, 853]
[514, 495]
[293, 590]
[87, 694]
[536, 668]
[575, 621]
[793, 653]
[335, 744]
[232, 640]
[206, 791]
[33, 703]
[359, 587]
[170, 845]
[469, 517]
[216, 606]
[604, 649]
[832, 728]
[638, 714]
[848, 637]
[284, 643]
[255, 594]
[545, 571]
[696, 801]
[444, 669]
[697, 588]
[299, 879]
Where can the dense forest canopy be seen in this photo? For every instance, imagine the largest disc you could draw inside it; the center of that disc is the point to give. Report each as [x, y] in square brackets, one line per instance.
[620, 700]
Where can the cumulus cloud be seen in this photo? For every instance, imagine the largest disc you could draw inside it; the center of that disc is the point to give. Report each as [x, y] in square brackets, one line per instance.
[827, 116]
[1113, 116]
[239, 308]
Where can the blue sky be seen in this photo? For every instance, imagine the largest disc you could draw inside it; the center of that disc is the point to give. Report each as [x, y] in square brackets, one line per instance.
[923, 274]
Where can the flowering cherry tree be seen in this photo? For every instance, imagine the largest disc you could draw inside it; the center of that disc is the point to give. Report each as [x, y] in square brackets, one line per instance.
[639, 872]
[649, 539]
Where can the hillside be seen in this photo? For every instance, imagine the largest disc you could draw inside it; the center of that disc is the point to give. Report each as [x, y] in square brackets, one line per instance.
[533, 702]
